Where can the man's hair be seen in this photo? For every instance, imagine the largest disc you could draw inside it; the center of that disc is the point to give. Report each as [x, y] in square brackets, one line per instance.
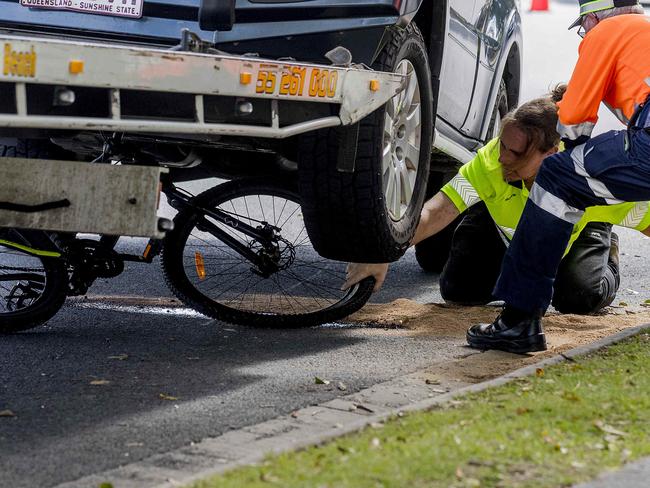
[611, 12]
[538, 120]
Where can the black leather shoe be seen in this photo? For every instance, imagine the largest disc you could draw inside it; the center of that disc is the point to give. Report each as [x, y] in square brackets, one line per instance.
[524, 336]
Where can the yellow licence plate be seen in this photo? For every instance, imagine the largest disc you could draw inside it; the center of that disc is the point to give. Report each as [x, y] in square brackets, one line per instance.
[297, 82]
[19, 63]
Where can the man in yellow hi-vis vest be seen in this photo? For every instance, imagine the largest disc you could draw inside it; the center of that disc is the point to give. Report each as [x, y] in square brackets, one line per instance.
[492, 190]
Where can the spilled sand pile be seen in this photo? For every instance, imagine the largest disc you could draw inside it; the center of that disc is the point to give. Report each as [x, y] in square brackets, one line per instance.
[563, 332]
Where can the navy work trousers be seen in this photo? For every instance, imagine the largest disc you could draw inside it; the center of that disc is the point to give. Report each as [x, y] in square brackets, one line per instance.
[586, 282]
[611, 168]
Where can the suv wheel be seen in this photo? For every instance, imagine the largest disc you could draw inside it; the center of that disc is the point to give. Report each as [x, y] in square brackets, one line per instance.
[370, 215]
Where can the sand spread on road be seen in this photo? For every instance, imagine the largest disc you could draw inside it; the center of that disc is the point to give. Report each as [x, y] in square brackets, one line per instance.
[563, 332]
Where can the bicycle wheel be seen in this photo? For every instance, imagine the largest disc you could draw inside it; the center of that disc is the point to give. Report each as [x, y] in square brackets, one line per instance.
[214, 279]
[32, 287]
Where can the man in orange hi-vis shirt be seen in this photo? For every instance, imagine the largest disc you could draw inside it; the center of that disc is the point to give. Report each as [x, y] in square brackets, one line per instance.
[613, 67]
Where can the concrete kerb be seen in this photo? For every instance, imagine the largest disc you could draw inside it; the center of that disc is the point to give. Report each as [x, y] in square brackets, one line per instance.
[304, 428]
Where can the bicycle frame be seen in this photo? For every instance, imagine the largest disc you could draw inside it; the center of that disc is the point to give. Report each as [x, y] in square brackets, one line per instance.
[178, 200]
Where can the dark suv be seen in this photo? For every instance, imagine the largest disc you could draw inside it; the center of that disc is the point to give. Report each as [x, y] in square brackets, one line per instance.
[363, 186]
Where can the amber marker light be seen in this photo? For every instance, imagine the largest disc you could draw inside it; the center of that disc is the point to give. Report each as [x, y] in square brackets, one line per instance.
[146, 252]
[200, 265]
[76, 67]
[374, 85]
[245, 78]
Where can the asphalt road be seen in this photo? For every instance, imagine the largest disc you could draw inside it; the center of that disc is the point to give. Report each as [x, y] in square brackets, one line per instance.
[212, 376]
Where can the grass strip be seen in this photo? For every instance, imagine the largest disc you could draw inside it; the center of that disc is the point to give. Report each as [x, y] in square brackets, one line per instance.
[566, 424]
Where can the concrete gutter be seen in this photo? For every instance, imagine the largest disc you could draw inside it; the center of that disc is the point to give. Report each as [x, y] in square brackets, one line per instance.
[632, 475]
[309, 426]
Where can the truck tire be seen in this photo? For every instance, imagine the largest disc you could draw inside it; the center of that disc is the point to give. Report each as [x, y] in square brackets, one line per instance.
[370, 214]
[432, 253]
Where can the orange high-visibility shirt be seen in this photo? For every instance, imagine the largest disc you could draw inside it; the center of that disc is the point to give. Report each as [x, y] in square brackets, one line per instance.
[613, 67]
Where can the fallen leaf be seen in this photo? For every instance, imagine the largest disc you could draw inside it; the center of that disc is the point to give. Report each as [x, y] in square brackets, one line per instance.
[167, 397]
[366, 409]
[7, 413]
[569, 395]
[478, 462]
[622, 304]
[346, 450]
[320, 381]
[120, 357]
[269, 478]
[341, 386]
[100, 382]
[539, 372]
[608, 429]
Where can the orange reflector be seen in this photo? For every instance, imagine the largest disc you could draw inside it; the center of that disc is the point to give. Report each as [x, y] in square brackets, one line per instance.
[374, 85]
[146, 252]
[245, 78]
[76, 66]
[200, 265]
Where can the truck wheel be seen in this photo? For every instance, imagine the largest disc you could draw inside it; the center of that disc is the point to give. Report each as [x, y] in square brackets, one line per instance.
[432, 253]
[370, 215]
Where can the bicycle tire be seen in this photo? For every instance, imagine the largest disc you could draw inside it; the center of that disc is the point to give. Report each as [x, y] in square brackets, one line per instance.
[50, 299]
[226, 195]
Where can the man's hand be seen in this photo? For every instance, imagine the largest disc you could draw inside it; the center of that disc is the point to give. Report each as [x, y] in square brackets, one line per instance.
[358, 271]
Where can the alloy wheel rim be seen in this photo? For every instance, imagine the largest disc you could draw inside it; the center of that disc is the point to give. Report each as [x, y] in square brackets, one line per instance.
[401, 144]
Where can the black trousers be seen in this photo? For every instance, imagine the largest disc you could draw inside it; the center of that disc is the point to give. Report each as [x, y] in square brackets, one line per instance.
[586, 282]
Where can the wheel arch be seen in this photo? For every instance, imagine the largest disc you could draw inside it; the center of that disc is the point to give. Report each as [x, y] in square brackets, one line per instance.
[508, 68]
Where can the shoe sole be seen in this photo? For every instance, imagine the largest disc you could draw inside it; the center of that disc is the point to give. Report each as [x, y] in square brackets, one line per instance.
[519, 346]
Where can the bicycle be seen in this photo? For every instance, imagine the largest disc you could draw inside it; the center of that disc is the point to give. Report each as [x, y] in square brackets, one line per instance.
[238, 252]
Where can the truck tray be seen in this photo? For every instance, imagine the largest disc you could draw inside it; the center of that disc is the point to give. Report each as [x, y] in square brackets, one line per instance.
[54, 84]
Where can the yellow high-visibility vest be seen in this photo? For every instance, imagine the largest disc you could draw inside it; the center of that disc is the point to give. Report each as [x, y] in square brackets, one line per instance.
[481, 179]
